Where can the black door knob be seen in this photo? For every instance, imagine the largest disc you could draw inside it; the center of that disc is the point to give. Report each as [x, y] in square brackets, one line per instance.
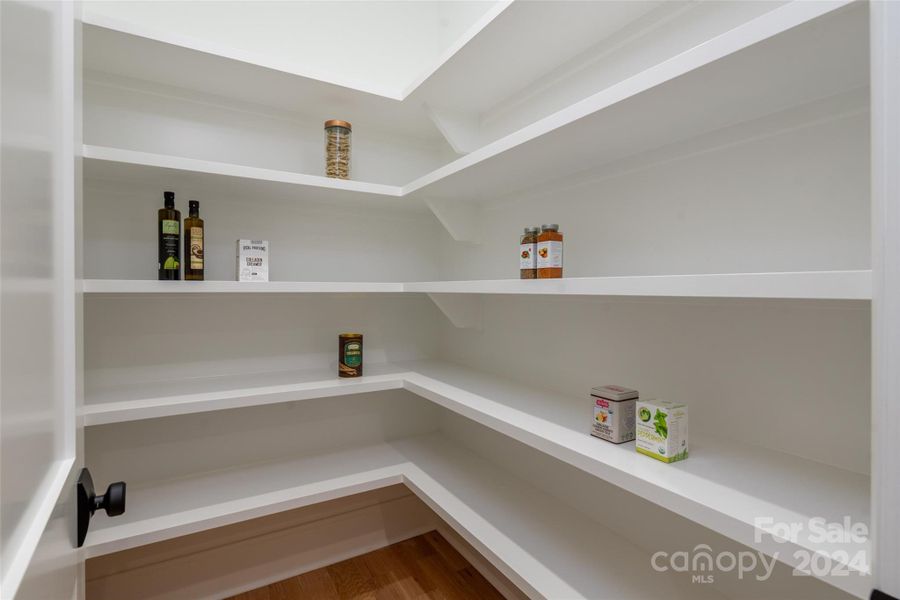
[113, 502]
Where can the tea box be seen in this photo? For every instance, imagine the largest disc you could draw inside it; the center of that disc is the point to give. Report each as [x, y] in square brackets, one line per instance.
[613, 413]
[662, 430]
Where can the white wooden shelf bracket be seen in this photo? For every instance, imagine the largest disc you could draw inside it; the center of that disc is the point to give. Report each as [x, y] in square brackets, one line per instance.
[463, 310]
[462, 220]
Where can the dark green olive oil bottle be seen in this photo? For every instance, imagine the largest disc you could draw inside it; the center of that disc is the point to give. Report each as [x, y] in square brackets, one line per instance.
[169, 240]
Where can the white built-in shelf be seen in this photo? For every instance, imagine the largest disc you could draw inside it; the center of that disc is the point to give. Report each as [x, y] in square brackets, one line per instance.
[481, 56]
[204, 501]
[724, 485]
[546, 552]
[150, 286]
[194, 176]
[845, 285]
[738, 76]
[119, 402]
[812, 285]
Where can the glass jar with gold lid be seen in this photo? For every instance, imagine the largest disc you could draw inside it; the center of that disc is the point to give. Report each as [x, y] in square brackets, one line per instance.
[337, 149]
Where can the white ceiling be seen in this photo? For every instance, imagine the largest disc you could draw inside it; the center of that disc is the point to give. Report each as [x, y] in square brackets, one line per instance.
[386, 47]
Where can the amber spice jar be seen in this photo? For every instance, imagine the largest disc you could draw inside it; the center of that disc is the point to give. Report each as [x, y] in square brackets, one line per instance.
[550, 252]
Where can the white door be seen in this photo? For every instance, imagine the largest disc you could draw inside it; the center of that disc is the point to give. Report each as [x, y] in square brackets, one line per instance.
[38, 318]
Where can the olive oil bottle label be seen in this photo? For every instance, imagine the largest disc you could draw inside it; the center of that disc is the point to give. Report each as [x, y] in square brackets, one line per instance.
[168, 245]
[196, 258]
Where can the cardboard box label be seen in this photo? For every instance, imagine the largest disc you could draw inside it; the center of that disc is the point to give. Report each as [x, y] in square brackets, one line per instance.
[252, 260]
[613, 421]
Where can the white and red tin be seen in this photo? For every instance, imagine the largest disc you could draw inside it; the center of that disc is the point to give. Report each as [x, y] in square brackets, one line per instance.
[613, 413]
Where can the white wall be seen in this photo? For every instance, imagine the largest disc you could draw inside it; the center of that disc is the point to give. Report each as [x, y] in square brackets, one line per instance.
[136, 115]
[788, 192]
[309, 239]
[149, 336]
[757, 372]
[142, 452]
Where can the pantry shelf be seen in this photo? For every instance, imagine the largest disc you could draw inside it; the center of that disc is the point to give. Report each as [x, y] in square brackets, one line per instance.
[546, 552]
[735, 77]
[724, 486]
[811, 285]
[195, 177]
[837, 285]
[150, 286]
[120, 402]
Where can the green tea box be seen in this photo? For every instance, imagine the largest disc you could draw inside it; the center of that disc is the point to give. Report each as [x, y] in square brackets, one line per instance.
[662, 429]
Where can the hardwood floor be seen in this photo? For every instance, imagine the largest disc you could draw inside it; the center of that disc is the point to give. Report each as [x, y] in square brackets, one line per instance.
[419, 568]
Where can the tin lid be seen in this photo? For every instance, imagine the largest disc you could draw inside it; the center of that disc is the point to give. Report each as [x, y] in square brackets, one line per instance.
[550, 227]
[532, 229]
[616, 393]
[338, 123]
[359, 335]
